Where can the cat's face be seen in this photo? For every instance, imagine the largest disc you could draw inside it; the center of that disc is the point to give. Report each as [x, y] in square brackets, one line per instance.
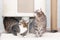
[38, 13]
[24, 23]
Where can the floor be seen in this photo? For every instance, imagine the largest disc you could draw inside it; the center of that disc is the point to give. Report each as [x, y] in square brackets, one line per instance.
[46, 36]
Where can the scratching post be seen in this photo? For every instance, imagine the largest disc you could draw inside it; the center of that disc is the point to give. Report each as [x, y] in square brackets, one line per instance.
[54, 15]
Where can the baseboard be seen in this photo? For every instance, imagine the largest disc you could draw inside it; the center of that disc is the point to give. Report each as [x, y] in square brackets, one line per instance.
[54, 31]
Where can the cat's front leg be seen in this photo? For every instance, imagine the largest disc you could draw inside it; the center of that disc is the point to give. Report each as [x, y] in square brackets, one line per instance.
[41, 31]
[36, 33]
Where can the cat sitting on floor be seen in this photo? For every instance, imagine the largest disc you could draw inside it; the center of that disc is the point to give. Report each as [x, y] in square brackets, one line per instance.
[38, 24]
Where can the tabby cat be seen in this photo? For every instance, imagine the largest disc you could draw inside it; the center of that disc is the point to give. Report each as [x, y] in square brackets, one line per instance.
[38, 24]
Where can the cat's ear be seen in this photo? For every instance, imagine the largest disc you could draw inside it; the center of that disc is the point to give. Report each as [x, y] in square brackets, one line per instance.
[41, 12]
[36, 11]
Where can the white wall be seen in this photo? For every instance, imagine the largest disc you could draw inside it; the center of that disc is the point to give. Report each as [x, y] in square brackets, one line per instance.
[48, 7]
[40, 4]
[1, 20]
[58, 14]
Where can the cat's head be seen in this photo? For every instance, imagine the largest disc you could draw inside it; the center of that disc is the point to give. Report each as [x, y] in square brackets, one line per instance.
[24, 23]
[39, 13]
